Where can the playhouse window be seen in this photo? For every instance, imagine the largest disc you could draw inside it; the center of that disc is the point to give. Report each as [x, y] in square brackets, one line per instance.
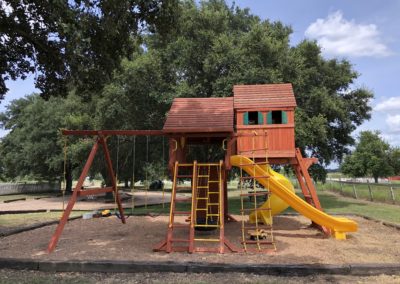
[253, 118]
[277, 117]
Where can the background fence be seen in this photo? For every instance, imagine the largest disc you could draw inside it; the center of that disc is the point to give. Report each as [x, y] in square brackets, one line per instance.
[381, 192]
[22, 188]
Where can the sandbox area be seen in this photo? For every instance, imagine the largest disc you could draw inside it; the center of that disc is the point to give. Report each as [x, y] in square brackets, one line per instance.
[108, 239]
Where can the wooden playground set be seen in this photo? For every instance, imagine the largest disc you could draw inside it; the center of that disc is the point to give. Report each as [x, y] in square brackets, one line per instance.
[256, 129]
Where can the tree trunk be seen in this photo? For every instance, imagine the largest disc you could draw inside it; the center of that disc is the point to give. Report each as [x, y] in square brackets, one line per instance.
[108, 182]
[376, 179]
[126, 183]
[68, 177]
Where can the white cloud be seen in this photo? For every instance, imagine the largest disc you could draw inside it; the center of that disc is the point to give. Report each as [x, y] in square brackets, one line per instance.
[391, 104]
[338, 36]
[393, 121]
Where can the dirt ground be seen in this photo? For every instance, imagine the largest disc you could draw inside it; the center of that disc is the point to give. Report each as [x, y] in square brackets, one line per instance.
[108, 239]
[10, 276]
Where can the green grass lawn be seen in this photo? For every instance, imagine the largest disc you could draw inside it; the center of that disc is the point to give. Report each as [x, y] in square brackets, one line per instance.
[18, 220]
[28, 196]
[330, 202]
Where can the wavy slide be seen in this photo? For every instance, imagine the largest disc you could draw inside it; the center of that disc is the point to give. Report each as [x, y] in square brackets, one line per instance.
[339, 226]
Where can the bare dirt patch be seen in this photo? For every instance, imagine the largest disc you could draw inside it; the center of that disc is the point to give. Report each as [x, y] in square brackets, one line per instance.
[108, 239]
[10, 276]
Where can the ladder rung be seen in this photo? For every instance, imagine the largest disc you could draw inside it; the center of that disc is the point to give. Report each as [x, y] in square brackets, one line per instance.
[201, 176]
[255, 194]
[201, 198]
[183, 187]
[201, 209]
[181, 213]
[202, 186]
[184, 176]
[212, 204]
[207, 240]
[213, 192]
[213, 181]
[183, 200]
[257, 209]
[185, 165]
[214, 215]
[261, 242]
[179, 240]
[254, 177]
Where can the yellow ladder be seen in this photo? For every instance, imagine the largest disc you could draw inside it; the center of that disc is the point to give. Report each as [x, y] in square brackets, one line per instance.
[208, 204]
[255, 234]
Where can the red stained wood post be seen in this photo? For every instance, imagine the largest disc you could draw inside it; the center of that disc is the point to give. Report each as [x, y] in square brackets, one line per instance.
[114, 181]
[56, 236]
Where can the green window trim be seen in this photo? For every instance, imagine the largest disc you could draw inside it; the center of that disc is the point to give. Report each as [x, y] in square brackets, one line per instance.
[269, 117]
[284, 117]
[246, 118]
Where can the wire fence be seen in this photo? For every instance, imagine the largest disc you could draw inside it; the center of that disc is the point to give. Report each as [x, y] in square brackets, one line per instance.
[379, 192]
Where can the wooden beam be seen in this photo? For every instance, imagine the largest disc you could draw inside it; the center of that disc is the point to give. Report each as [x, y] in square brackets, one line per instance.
[113, 132]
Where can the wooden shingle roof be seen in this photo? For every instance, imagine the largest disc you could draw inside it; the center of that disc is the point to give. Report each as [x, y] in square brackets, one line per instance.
[200, 115]
[263, 96]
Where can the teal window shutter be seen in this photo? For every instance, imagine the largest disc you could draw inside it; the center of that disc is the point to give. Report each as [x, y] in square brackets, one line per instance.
[246, 118]
[260, 118]
[269, 117]
[284, 117]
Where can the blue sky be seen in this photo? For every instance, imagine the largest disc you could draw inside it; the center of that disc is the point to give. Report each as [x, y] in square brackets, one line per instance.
[365, 32]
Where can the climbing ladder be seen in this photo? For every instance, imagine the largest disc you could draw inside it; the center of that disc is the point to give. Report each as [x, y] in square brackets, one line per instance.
[260, 235]
[206, 211]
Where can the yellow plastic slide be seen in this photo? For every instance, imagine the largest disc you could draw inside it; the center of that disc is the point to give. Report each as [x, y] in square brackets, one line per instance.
[277, 205]
[338, 226]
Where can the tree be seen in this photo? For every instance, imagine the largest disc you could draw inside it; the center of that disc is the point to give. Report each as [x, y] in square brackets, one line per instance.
[370, 157]
[34, 145]
[215, 47]
[73, 44]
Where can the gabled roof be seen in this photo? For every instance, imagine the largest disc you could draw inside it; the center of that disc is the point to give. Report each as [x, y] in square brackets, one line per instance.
[200, 115]
[263, 96]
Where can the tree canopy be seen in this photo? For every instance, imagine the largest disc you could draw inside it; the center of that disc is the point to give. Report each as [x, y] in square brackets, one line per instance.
[371, 157]
[187, 49]
[73, 44]
[215, 47]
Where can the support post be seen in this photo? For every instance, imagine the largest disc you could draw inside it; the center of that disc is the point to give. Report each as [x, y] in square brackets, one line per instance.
[392, 194]
[370, 191]
[103, 142]
[355, 191]
[56, 236]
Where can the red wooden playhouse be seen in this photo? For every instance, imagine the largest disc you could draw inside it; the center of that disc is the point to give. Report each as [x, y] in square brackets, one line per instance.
[256, 129]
